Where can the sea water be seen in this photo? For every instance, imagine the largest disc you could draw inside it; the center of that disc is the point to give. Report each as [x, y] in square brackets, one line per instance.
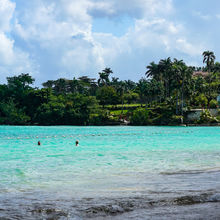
[114, 171]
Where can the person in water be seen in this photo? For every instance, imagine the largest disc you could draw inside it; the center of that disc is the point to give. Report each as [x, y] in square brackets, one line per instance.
[38, 143]
[77, 143]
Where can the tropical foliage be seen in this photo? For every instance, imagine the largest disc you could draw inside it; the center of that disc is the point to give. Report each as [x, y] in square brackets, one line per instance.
[161, 96]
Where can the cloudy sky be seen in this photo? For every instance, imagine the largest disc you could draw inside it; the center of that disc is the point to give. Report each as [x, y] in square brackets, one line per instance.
[69, 38]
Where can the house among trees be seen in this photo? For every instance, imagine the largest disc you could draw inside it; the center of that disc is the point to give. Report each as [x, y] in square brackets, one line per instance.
[200, 73]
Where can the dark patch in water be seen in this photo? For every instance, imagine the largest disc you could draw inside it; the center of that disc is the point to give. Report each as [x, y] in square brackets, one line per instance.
[189, 172]
[29, 208]
[106, 210]
[121, 206]
[191, 200]
[49, 213]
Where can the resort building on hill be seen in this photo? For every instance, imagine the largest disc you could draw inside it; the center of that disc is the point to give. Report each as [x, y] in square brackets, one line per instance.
[200, 73]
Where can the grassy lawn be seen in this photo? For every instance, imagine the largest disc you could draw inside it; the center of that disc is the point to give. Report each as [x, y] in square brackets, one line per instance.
[125, 105]
[118, 112]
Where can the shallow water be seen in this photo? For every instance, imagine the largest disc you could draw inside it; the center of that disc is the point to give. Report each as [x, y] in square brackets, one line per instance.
[115, 171]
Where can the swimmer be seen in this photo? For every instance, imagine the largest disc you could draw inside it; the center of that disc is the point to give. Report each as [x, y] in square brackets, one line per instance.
[38, 143]
[77, 143]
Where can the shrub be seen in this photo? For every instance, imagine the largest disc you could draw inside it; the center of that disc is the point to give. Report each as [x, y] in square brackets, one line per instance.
[206, 117]
[201, 100]
[176, 120]
[99, 118]
[140, 117]
[213, 103]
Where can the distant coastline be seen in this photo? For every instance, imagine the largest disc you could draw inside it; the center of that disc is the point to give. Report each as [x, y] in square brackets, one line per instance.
[169, 93]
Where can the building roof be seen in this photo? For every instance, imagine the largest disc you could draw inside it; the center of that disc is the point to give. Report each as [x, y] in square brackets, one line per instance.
[200, 73]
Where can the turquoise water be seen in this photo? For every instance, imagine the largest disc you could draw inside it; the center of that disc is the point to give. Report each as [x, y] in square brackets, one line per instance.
[109, 161]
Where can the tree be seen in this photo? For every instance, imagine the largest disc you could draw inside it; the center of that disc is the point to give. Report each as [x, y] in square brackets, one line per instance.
[48, 84]
[142, 88]
[18, 87]
[20, 82]
[4, 92]
[60, 86]
[104, 77]
[165, 66]
[153, 71]
[180, 73]
[10, 114]
[208, 58]
[140, 117]
[216, 68]
[107, 95]
[129, 85]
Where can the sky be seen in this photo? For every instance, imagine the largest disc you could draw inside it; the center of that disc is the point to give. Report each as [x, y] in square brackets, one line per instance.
[51, 39]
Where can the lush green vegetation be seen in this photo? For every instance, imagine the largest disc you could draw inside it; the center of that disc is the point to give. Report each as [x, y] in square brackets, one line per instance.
[161, 97]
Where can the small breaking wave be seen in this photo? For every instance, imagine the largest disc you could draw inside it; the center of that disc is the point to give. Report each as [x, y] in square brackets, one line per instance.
[120, 206]
[181, 172]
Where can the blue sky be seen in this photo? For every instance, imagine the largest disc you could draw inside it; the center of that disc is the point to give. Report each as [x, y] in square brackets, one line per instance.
[69, 38]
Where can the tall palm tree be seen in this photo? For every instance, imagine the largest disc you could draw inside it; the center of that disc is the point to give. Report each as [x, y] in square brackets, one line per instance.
[104, 76]
[165, 67]
[208, 58]
[182, 75]
[153, 71]
[129, 85]
[142, 88]
[120, 91]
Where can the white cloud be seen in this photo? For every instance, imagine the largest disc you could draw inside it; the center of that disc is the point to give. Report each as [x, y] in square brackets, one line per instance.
[6, 49]
[6, 13]
[12, 59]
[58, 35]
[134, 8]
[189, 48]
[64, 30]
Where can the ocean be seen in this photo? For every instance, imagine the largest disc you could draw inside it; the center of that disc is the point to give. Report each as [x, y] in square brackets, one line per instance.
[118, 172]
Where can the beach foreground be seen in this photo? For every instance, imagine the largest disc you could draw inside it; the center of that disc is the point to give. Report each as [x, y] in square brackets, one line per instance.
[114, 173]
[186, 207]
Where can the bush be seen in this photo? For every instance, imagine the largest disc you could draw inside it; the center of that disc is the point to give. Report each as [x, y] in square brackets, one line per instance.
[140, 117]
[206, 117]
[163, 115]
[11, 115]
[201, 100]
[176, 120]
[213, 103]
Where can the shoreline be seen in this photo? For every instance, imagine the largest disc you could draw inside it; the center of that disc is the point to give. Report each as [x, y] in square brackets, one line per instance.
[122, 125]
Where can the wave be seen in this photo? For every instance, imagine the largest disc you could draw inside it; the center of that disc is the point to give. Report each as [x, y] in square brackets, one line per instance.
[181, 172]
[131, 204]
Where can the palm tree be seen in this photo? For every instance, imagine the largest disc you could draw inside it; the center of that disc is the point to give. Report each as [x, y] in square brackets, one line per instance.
[129, 85]
[209, 59]
[165, 67]
[104, 76]
[182, 75]
[153, 71]
[49, 84]
[142, 88]
[120, 91]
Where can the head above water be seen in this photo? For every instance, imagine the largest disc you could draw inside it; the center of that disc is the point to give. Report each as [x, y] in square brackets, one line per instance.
[77, 142]
[38, 143]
